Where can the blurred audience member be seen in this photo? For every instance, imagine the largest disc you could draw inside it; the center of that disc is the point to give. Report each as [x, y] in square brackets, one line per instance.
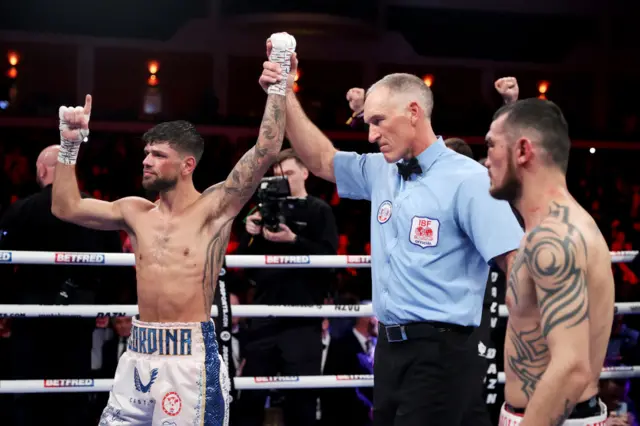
[51, 348]
[615, 394]
[351, 354]
[623, 344]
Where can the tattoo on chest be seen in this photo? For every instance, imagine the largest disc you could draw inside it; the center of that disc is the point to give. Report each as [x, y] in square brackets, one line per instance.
[214, 258]
[529, 361]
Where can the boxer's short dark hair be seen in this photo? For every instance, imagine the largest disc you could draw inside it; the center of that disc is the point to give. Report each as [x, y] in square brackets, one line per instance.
[545, 118]
[460, 146]
[180, 135]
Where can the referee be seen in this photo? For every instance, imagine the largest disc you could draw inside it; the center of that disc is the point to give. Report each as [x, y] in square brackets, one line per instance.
[434, 231]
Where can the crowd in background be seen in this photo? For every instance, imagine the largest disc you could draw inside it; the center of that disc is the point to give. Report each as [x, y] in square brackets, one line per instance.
[605, 182]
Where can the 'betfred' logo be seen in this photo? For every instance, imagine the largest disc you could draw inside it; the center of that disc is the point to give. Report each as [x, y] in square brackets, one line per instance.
[359, 260]
[286, 260]
[353, 377]
[5, 256]
[272, 379]
[79, 258]
[69, 383]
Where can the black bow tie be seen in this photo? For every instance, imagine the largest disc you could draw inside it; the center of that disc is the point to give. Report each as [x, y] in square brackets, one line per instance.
[407, 168]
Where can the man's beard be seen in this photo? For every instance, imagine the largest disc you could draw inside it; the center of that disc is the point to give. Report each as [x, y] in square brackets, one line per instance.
[511, 188]
[159, 184]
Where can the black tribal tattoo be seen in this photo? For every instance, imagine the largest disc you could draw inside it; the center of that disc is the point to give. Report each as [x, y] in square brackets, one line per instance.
[552, 253]
[530, 359]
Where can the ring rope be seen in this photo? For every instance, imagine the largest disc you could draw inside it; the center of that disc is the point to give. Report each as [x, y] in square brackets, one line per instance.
[245, 311]
[232, 260]
[250, 383]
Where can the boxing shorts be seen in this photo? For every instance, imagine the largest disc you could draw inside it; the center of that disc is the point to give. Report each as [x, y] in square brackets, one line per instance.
[170, 375]
[511, 417]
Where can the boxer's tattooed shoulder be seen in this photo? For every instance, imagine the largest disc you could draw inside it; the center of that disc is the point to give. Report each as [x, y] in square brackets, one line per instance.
[245, 176]
[214, 258]
[556, 253]
[529, 358]
[568, 408]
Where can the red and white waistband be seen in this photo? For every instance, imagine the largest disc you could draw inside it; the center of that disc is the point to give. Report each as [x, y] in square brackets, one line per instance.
[510, 419]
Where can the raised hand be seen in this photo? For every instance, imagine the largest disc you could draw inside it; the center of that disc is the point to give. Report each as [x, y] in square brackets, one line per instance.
[355, 97]
[508, 89]
[273, 71]
[74, 129]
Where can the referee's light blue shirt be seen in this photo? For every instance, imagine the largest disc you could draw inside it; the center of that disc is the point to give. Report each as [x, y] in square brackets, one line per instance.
[432, 237]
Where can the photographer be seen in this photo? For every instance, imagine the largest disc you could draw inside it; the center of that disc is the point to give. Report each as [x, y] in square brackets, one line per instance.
[288, 222]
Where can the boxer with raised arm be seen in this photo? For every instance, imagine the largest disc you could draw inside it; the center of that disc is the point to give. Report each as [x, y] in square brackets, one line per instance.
[560, 292]
[171, 372]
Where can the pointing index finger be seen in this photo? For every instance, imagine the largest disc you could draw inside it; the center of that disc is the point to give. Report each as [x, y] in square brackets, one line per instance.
[87, 105]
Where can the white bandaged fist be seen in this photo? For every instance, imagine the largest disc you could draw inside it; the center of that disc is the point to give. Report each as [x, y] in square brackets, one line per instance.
[74, 129]
[283, 45]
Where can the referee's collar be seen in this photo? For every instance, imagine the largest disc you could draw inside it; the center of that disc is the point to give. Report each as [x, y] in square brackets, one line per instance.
[427, 157]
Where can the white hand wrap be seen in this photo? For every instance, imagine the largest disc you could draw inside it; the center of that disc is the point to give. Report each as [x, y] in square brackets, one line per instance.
[69, 148]
[282, 46]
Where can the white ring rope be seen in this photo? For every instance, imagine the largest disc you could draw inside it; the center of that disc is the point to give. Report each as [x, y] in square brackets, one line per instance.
[244, 311]
[232, 260]
[249, 383]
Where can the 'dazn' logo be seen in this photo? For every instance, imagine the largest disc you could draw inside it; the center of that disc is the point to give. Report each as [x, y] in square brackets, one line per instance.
[140, 387]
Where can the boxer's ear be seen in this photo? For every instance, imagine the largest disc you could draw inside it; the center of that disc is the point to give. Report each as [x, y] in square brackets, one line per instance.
[188, 164]
[523, 150]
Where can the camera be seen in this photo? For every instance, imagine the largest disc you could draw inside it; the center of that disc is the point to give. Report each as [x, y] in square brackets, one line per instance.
[276, 205]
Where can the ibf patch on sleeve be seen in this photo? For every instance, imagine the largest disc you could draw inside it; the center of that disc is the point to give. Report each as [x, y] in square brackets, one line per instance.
[424, 231]
[384, 212]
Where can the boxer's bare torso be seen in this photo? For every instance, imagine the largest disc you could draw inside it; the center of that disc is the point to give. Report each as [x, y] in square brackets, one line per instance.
[178, 257]
[561, 277]
[180, 240]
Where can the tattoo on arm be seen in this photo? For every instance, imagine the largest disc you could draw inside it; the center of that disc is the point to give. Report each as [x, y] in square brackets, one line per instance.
[568, 408]
[555, 254]
[530, 359]
[246, 175]
[214, 258]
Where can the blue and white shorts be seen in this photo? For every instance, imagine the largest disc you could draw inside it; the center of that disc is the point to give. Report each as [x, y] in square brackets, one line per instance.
[170, 375]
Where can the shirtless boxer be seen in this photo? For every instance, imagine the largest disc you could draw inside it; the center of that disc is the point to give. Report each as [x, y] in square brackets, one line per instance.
[560, 293]
[171, 373]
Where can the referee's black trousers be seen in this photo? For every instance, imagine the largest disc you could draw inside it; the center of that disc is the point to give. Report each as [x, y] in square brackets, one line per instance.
[426, 380]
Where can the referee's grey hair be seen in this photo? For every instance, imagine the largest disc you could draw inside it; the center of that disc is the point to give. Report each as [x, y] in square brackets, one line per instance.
[408, 84]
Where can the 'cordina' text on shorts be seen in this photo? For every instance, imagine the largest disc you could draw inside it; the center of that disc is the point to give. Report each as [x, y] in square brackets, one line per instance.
[160, 341]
